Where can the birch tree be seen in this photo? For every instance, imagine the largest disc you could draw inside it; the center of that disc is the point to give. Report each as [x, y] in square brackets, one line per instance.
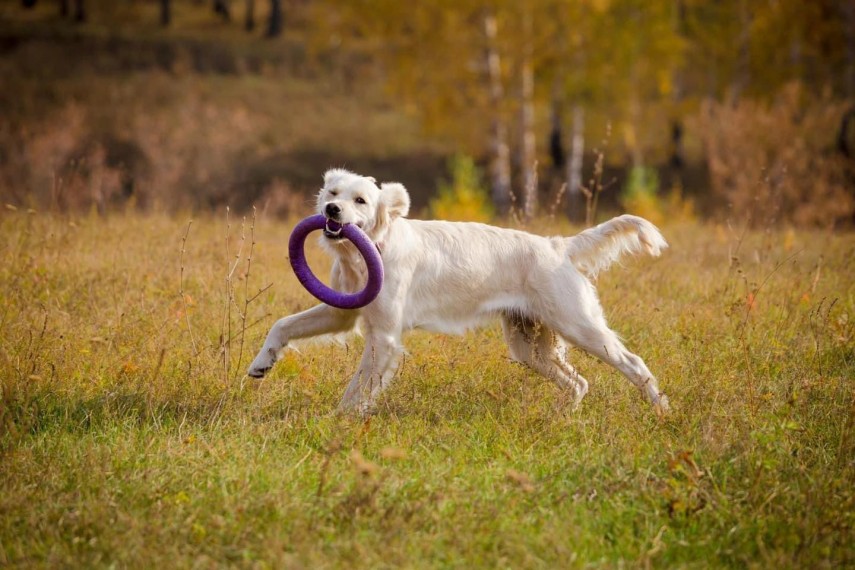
[500, 156]
[529, 151]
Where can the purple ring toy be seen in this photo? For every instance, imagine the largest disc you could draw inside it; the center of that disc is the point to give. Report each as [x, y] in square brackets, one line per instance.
[297, 255]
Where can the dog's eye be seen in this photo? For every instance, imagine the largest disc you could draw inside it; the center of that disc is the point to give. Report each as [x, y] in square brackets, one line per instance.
[333, 193]
[360, 200]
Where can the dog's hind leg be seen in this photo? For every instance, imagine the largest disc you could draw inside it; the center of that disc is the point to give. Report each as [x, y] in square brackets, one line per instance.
[608, 348]
[590, 333]
[580, 321]
[534, 344]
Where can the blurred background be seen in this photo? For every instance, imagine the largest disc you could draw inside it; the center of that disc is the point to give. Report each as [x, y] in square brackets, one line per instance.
[671, 109]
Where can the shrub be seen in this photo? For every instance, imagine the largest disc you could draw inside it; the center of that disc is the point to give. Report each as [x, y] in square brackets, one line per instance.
[639, 194]
[641, 197]
[776, 162]
[465, 197]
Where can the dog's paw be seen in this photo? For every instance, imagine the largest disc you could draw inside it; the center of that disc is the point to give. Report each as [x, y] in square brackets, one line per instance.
[356, 408]
[366, 410]
[662, 405]
[256, 372]
[347, 410]
[261, 365]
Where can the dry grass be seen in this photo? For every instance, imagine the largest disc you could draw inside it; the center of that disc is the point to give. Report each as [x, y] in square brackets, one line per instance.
[776, 163]
[126, 441]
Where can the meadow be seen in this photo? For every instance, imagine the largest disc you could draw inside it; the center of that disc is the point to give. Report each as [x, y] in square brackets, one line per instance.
[131, 437]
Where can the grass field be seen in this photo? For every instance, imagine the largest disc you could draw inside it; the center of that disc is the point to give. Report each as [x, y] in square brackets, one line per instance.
[130, 437]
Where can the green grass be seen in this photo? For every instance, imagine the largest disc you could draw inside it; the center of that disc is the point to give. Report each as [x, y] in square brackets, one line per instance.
[123, 445]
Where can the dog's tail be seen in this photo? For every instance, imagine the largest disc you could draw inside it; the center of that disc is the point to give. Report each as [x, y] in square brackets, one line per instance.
[595, 249]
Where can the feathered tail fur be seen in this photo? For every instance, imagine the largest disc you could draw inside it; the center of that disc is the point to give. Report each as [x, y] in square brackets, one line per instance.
[595, 249]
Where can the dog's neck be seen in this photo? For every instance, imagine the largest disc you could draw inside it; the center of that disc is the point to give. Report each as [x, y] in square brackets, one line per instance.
[347, 254]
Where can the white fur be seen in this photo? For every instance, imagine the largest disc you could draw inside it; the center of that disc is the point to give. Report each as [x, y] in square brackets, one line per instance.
[451, 276]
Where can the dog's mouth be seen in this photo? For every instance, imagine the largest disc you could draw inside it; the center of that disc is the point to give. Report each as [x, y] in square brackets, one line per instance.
[333, 230]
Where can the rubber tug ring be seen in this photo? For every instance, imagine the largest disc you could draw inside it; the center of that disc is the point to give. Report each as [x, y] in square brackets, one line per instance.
[367, 248]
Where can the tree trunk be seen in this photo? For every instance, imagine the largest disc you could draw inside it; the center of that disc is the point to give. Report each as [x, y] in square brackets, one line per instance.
[743, 64]
[221, 8]
[556, 144]
[274, 27]
[529, 151]
[79, 11]
[249, 24]
[848, 9]
[677, 162]
[574, 165]
[165, 13]
[500, 156]
[528, 156]
[843, 133]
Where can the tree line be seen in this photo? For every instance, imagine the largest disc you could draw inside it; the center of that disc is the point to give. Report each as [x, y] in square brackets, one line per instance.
[536, 86]
[481, 71]
[76, 10]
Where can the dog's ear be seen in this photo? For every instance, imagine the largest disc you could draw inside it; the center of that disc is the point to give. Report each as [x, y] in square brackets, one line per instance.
[395, 199]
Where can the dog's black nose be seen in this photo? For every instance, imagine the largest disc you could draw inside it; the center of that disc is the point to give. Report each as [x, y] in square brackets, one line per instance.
[332, 211]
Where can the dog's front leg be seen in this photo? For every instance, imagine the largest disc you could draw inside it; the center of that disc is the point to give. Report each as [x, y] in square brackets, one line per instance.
[319, 320]
[379, 364]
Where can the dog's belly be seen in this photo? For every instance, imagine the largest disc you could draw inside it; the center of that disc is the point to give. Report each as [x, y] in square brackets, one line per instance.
[458, 317]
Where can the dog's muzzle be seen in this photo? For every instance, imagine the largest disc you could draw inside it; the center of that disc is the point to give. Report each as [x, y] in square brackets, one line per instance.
[332, 230]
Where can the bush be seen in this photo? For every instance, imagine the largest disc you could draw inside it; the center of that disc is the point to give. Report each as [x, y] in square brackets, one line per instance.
[168, 147]
[776, 162]
[641, 197]
[639, 194]
[465, 197]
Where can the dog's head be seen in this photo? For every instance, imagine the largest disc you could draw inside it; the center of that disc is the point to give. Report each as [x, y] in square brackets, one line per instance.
[349, 198]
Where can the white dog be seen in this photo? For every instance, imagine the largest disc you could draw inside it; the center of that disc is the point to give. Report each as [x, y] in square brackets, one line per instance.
[450, 276]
